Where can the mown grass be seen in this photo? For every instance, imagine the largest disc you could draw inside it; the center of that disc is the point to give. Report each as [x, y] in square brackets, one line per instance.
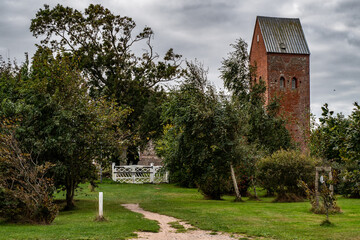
[80, 223]
[254, 218]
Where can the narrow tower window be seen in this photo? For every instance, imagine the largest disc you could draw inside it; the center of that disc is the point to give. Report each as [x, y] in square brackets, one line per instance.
[282, 83]
[294, 83]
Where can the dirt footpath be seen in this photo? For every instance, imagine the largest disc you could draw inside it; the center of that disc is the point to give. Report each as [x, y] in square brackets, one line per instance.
[166, 232]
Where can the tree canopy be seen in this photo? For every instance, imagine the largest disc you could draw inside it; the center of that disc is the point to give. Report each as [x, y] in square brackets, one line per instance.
[57, 120]
[105, 43]
[207, 133]
[337, 141]
[201, 135]
[265, 126]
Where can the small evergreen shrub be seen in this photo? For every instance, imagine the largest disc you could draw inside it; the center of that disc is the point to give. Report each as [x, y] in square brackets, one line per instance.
[281, 172]
[213, 186]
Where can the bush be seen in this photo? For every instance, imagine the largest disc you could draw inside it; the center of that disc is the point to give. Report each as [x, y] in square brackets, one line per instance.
[281, 172]
[213, 186]
[350, 186]
[25, 192]
[326, 199]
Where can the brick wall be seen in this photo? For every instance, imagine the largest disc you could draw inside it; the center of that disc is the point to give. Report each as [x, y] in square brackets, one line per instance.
[258, 56]
[148, 156]
[295, 103]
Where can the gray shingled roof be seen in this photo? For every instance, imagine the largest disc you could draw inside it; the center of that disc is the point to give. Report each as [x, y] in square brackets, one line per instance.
[283, 35]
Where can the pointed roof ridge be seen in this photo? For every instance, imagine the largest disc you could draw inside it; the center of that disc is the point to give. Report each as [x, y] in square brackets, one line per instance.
[283, 35]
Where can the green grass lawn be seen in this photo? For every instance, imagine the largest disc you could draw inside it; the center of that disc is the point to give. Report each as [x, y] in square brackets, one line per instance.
[263, 218]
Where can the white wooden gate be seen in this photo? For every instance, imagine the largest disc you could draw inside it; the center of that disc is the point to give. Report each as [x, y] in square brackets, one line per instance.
[139, 174]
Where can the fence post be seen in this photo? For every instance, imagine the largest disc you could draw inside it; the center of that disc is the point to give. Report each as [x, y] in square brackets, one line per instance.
[167, 177]
[133, 173]
[113, 171]
[152, 173]
[101, 213]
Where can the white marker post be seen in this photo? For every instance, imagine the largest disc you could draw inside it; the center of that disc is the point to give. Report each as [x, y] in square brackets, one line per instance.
[101, 214]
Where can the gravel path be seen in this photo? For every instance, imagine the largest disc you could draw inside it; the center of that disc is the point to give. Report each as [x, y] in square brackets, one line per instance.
[166, 232]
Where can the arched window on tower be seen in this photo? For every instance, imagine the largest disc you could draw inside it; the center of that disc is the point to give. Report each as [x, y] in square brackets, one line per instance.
[294, 83]
[282, 83]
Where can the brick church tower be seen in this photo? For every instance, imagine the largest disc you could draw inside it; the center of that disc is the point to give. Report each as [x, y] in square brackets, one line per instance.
[281, 56]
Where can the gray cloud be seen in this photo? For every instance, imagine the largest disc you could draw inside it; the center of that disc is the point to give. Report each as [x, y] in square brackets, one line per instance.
[204, 29]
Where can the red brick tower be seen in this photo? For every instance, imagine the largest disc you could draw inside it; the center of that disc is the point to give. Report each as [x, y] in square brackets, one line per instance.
[281, 56]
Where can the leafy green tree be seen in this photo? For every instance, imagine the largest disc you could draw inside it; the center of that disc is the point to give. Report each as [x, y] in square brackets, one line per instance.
[351, 155]
[104, 42]
[266, 132]
[336, 141]
[207, 135]
[60, 123]
[11, 76]
[266, 128]
[201, 135]
[327, 139]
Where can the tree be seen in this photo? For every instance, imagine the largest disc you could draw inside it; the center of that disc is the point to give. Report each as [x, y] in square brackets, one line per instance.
[336, 141]
[60, 122]
[11, 76]
[266, 131]
[266, 127]
[327, 139]
[104, 42]
[207, 136]
[201, 135]
[351, 155]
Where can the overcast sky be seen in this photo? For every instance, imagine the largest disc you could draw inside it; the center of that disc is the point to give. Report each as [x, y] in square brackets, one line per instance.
[204, 29]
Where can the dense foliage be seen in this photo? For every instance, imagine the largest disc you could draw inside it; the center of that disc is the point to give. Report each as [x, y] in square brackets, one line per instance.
[265, 128]
[58, 121]
[351, 155]
[206, 134]
[201, 136]
[337, 141]
[105, 43]
[328, 138]
[281, 172]
[25, 191]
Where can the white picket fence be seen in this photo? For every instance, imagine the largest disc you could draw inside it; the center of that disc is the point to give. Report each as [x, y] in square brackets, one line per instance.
[139, 174]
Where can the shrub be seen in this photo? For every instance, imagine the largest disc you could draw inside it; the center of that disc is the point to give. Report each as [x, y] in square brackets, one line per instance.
[213, 185]
[281, 172]
[326, 202]
[25, 192]
[350, 186]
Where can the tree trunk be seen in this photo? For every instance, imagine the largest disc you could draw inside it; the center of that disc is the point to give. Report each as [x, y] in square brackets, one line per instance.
[70, 189]
[237, 193]
[253, 183]
[132, 155]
